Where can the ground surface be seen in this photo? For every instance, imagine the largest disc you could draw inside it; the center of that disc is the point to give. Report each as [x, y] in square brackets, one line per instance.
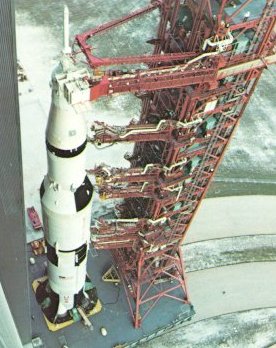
[226, 289]
[233, 216]
[249, 329]
[229, 251]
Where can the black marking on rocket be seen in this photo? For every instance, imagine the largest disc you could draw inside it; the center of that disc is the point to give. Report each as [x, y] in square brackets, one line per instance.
[83, 194]
[80, 254]
[66, 153]
[51, 254]
[42, 189]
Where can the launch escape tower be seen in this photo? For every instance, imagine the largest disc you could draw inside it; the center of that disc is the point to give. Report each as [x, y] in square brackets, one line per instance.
[207, 59]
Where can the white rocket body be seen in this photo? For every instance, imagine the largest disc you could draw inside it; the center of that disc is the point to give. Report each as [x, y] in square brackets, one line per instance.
[66, 196]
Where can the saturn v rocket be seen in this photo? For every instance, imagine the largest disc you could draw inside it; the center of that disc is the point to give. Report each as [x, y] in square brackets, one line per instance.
[66, 197]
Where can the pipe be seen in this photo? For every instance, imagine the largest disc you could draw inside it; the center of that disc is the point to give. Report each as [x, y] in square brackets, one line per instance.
[221, 44]
[168, 169]
[138, 131]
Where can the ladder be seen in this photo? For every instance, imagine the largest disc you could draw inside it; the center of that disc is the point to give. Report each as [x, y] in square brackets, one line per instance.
[262, 27]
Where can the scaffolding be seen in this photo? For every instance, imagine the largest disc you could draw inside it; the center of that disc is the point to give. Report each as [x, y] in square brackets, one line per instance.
[207, 58]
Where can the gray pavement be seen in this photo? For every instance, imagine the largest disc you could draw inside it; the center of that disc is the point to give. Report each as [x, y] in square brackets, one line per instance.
[233, 216]
[230, 289]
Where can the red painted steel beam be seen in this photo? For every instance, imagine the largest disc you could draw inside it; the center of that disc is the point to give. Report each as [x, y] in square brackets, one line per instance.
[96, 62]
[81, 39]
[221, 10]
[134, 288]
[245, 25]
[145, 82]
[142, 81]
[115, 23]
[198, 25]
[209, 8]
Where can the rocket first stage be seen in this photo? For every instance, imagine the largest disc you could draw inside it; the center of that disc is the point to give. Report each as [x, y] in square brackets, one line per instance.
[66, 197]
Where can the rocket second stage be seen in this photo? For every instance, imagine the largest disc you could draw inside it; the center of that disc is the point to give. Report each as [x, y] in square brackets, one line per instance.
[66, 197]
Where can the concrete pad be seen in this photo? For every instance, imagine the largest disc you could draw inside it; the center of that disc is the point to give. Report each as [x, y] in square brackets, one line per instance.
[230, 289]
[233, 216]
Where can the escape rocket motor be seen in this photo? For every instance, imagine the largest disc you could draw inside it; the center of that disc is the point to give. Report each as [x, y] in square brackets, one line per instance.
[66, 197]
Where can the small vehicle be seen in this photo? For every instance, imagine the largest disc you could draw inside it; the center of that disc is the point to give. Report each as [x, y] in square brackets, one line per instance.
[34, 218]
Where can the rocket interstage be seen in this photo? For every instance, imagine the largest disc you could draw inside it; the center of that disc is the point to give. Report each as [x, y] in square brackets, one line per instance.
[66, 199]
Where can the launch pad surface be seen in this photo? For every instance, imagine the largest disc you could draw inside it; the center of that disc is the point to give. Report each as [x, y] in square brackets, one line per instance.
[114, 316]
[59, 326]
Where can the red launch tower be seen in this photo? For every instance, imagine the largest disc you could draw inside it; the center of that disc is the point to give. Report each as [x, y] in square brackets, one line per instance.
[207, 59]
